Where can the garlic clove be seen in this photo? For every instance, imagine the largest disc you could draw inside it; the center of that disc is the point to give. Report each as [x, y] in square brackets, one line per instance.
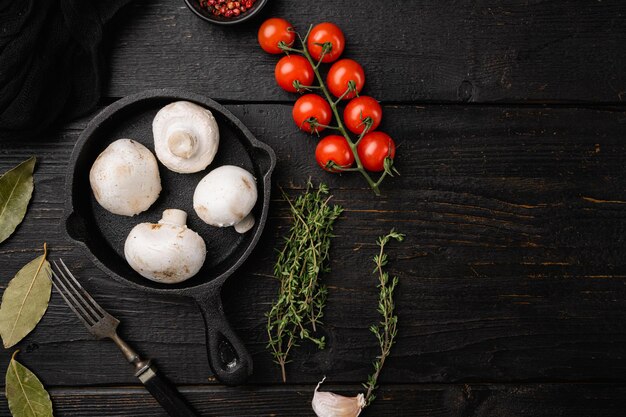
[328, 404]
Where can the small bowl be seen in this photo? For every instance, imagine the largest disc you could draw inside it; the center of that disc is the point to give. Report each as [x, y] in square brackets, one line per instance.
[204, 14]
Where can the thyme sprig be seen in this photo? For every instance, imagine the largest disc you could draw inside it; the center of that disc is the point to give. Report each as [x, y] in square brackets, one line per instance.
[301, 298]
[386, 330]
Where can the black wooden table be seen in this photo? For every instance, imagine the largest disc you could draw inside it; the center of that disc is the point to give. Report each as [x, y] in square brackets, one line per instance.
[511, 133]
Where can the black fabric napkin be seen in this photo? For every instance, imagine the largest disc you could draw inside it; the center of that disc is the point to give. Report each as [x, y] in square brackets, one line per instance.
[51, 64]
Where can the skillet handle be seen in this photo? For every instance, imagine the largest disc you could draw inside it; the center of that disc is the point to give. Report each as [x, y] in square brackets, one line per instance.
[228, 357]
[265, 158]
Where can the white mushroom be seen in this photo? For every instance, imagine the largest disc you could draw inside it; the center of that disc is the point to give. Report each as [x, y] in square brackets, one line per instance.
[225, 197]
[167, 252]
[125, 178]
[186, 137]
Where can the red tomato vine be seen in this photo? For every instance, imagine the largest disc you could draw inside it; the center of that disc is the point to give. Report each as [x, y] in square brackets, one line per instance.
[371, 150]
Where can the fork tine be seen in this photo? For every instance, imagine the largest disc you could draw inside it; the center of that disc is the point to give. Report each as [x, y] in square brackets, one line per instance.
[71, 292]
[86, 296]
[82, 316]
[76, 294]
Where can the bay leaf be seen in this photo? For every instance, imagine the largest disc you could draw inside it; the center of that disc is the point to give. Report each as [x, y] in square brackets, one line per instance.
[25, 300]
[25, 393]
[16, 188]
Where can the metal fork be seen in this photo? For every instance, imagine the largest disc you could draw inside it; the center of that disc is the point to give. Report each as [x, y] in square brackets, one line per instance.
[103, 325]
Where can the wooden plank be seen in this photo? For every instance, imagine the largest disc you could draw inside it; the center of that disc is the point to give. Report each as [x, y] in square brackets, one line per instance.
[513, 268]
[516, 51]
[470, 400]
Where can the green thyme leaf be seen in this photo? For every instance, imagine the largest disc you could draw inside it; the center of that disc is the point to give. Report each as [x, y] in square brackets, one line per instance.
[387, 329]
[16, 188]
[301, 298]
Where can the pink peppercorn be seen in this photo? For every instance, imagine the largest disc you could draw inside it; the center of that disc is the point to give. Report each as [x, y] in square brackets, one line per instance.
[227, 8]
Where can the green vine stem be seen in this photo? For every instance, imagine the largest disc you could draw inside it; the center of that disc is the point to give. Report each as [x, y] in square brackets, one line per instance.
[375, 185]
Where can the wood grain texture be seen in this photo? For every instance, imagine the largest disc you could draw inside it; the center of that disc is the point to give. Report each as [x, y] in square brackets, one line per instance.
[419, 51]
[470, 400]
[513, 268]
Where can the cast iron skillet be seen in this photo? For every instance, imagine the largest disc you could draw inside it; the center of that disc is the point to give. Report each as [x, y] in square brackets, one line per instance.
[102, 234]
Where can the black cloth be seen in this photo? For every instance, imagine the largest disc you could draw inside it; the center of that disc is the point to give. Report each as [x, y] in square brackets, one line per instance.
[51, 63]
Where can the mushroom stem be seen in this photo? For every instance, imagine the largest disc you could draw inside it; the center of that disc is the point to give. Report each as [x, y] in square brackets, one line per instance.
[175, 217]
[181, 144]
[245, 224]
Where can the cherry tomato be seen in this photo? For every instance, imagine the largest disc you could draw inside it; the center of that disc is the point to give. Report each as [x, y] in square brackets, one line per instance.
[291, 68]
[334, 148]
[374, 148]
[322, 33]
[274, 30]
[311, 106]
[341, 73]
[360, 108]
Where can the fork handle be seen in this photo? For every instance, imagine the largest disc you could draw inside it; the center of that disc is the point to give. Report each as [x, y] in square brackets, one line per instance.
[161, 389]
[165, 393]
